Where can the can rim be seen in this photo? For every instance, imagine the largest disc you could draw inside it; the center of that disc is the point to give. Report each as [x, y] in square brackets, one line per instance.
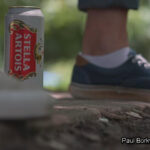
[33, 7]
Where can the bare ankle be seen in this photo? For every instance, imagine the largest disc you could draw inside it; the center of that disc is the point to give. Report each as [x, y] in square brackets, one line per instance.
[105, 31]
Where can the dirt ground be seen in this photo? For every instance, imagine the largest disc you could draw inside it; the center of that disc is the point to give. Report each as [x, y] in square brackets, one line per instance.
[99, 129]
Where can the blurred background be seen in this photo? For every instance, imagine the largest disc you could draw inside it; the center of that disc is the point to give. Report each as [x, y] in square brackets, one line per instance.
[64, 27]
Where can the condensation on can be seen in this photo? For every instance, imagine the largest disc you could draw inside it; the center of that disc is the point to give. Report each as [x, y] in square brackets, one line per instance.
[24, 44]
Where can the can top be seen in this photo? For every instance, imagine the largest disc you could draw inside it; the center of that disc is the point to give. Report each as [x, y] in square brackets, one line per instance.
[32, 7]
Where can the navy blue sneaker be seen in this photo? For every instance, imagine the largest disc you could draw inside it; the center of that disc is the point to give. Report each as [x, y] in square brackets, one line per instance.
[130, 81]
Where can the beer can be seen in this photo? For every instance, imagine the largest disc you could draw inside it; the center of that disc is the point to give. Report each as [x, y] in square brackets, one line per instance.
[24, 44]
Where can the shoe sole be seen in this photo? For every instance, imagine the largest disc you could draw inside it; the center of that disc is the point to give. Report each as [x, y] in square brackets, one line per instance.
[21, 105]
[108, 92]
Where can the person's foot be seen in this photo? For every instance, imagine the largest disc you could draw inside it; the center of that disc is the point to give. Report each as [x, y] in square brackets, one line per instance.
[130, 81]
[21, 102]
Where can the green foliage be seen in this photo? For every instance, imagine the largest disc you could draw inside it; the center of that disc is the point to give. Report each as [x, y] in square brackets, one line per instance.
[63, 30]
[139, 30]
[145, 3]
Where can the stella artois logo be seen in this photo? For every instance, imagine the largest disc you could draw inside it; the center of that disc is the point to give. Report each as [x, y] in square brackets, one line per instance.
[23, 50]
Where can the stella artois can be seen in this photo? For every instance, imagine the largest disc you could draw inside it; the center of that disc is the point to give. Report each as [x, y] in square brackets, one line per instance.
[24, 44]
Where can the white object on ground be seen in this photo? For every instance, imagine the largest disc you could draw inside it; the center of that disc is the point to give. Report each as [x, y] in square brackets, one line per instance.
[133, 114]
[105, 120]
[20, 101]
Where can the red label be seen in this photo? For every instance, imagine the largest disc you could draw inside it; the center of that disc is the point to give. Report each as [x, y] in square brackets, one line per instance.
[22, 50]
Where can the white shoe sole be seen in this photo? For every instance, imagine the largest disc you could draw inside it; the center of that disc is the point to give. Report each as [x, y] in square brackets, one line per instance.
[108, 92]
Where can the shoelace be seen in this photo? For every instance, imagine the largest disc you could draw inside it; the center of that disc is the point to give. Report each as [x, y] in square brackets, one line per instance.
[140, 60]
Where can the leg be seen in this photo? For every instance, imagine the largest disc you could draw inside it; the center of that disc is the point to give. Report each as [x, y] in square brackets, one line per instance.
[105, 31]
[107, 69]
[106, 25]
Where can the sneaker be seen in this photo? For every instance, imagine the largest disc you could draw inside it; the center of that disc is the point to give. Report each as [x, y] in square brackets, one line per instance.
[130, 81]
[21, 102]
